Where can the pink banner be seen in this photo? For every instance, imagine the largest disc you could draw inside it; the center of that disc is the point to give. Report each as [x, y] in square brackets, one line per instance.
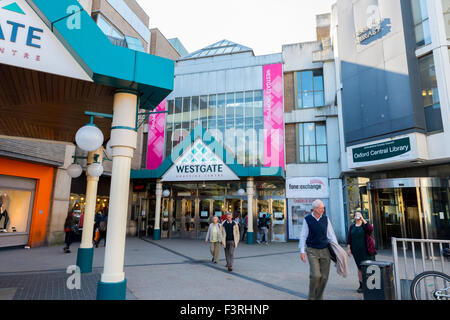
[273, 116]
[155, 146]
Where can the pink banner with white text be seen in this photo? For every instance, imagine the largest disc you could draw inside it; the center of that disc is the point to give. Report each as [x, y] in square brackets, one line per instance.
[273, 115]
[155, 146]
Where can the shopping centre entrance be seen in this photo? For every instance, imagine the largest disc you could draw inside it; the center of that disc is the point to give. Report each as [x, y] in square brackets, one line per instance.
[189, 210]
[416, 208]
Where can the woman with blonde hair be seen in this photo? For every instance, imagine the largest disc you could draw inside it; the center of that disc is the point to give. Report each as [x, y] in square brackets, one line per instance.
[214, 236]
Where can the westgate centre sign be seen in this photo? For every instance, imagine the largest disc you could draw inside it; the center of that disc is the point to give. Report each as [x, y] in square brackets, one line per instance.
[380, 151]
[199, 163]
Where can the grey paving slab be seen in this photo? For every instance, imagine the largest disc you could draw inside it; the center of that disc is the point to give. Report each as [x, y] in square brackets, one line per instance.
[174, 269]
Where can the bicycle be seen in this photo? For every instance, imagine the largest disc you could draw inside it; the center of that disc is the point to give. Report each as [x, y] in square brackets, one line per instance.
[431, 285]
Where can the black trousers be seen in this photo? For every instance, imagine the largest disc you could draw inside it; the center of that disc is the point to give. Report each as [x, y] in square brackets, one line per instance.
[5, 223]
[69, 238]
[102, 236]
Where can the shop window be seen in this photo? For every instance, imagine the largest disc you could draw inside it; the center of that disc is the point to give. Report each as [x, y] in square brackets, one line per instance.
[15, 210]
[310, 89]
[421, 22]
[430, 94]
[312, 139]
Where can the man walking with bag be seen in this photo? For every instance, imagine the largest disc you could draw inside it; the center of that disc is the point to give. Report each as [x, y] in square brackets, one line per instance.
[316, 233]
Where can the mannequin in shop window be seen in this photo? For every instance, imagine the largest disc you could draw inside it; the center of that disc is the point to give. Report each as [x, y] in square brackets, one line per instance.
[3, 212]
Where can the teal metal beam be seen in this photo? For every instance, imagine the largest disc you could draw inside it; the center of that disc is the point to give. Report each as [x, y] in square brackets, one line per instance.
[105, 63]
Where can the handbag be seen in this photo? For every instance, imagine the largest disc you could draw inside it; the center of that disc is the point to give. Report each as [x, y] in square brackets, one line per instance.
[370, 245]
[97, 235]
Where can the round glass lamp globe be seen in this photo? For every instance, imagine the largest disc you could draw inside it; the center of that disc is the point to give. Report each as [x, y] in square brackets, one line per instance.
[74, 170]
[108, 150]
[241, 192]
[89, 138]
[95, 170]
[166, 193]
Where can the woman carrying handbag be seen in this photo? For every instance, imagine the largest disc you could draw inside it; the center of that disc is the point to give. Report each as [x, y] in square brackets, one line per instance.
[361, 243]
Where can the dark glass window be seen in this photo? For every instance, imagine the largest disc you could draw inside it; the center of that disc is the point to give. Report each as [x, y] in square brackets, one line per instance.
[430, 94]
[195, 108]
[421, 22]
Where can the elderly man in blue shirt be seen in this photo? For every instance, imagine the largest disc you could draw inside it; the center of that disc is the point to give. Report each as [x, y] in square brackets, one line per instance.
[316, 233]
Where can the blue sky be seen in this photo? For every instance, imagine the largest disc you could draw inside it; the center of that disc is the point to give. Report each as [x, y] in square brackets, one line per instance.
[264, 25]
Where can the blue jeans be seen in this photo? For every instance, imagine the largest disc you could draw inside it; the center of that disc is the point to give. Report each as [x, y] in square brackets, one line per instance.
[263, 233]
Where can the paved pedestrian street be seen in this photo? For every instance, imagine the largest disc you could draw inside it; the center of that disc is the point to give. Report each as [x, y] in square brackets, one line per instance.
[173, 269]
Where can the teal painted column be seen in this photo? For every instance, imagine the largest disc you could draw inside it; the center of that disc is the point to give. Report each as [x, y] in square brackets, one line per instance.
[85, 259]
[112, 291]
[250, 238]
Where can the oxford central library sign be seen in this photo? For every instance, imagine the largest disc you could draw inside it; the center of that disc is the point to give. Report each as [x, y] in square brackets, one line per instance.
[381, 151]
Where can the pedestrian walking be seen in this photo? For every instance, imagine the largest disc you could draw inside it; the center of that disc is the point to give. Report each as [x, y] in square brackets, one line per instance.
[230, 239]
[69, 228]
[360, 243]
[262, 225]
[102, 227]
[316, 233]
[245, 224]
[214, 236]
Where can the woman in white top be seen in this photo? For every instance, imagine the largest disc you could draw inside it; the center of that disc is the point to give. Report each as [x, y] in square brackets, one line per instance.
[215, 237]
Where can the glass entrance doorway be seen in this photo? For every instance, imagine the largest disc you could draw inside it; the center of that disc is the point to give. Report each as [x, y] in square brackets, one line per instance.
[410, 208]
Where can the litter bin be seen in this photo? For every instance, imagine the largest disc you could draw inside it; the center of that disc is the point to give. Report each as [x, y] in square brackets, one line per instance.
[378, 280]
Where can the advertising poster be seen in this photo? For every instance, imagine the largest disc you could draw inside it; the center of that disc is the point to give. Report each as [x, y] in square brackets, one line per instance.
[297, 210]
[273, 116]
[156, 129]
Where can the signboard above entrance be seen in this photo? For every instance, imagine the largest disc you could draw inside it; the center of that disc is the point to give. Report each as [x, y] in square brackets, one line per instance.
[26, 42]
[380, 151]
[199, 163]
[389, 152]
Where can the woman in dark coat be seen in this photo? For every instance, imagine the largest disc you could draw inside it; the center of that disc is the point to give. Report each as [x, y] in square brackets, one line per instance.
[68, 229]
[357, 243]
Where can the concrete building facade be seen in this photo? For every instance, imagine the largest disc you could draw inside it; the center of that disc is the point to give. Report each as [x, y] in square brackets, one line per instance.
[392, 70]
[312, 130]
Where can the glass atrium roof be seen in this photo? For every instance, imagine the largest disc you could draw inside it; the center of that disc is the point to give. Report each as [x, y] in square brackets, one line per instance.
[218, 48]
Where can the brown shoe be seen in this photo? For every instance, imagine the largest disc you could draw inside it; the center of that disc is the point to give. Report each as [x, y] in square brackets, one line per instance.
[230, 269]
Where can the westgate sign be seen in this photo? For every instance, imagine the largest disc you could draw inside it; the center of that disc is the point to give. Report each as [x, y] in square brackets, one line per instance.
[381, 151]
[199, 163]
[16, 27]
[26, 42]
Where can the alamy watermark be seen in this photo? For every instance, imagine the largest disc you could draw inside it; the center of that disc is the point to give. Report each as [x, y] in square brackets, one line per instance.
[74, 20]
[74, 280]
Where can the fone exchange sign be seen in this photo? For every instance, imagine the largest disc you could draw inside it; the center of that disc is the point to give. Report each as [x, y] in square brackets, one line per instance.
[307, 188]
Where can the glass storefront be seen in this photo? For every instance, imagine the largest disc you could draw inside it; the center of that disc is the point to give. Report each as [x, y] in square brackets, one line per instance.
[189, 209]
[415, 208]
[16, 207]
